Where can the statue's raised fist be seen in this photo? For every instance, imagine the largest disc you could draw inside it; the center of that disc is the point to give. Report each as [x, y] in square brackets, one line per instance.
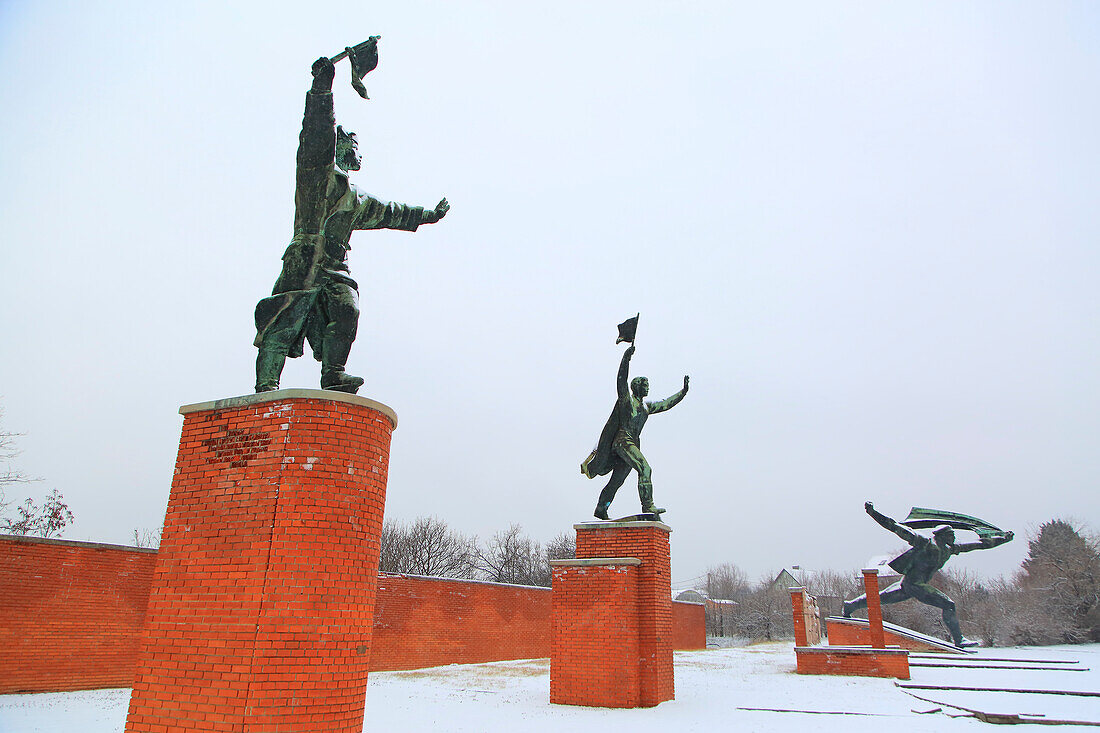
[323, 73]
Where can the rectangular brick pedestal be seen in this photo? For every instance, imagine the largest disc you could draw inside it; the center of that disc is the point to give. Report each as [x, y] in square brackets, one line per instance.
[874, 660]
[262, 601]
[611, 638]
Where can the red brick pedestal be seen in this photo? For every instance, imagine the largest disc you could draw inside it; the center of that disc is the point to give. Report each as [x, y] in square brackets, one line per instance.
[611, 632]
[875, 660]
[262, 600]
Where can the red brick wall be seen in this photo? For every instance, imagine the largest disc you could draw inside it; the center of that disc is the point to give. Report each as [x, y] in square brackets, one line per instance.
[595, 640]
[425, 622]
[261, 607]
[689, 625]
[70, 614]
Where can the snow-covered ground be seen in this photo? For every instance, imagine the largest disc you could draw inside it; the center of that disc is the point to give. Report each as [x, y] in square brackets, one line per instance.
[711, 688]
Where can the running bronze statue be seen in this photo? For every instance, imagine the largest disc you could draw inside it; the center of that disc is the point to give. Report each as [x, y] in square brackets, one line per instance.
[918, 564]
[619, 448]
[315, 299]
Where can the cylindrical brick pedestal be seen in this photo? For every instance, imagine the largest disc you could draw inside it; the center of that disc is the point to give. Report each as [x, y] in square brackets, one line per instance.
[262, 600]
[615, 598]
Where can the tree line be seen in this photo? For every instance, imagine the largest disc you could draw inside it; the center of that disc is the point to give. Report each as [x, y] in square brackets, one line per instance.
[428, 546]
[1053, 598]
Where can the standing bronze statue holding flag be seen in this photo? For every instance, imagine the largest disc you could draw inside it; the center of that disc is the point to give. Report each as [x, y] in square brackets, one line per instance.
[619, 449]
[315, 298]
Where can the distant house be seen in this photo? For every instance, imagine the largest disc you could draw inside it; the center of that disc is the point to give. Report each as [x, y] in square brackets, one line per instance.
[886, 574]
[786, 579]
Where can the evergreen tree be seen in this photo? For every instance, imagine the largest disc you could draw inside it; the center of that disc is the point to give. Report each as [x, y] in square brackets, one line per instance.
[1062, 575]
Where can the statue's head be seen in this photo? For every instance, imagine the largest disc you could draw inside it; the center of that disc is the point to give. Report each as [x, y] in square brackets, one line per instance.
[944, 534]
[347, 150]
[639, 386]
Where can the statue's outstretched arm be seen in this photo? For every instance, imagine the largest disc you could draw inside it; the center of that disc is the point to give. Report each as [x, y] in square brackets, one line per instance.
[669, 402]
[985, 544]
[375, 214]
[887, 523]
[622, 381]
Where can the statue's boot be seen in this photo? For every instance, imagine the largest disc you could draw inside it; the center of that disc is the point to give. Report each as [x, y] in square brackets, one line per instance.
[645, 493]
[269, 367]
[334, 354]
[601, 511]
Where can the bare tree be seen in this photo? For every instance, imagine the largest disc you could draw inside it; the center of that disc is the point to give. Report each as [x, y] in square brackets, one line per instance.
[392, 555]
[562, 547]
[147, 537]
[512, 557]
[427, 547]
[30, 519]
[832, 588]
[45, 521]
[8, 473]
[727, 581]
[765, 612]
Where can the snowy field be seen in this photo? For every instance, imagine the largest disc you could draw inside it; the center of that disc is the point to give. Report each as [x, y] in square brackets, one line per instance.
[712, 688]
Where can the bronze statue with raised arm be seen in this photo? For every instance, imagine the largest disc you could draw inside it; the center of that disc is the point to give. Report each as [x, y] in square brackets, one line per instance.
[619, 449]
[315, 298]
[918, 564]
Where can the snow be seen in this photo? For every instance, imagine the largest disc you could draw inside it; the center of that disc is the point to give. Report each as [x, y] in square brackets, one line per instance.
[710, 687]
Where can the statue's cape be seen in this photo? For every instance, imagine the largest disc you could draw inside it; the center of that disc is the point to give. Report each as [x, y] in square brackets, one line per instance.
[288, 314]
[600, 460]
[921, 518]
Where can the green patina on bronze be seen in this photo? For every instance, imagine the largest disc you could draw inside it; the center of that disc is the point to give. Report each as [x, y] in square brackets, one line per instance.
[618, 450]
[315, 299]
[921, 518]
[926, 556]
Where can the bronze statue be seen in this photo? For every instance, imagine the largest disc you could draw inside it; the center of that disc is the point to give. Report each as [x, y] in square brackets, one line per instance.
[918, 564]
[315, 298]
[619, 448]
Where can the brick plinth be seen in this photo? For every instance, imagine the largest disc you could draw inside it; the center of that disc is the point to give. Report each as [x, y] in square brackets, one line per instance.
[873, 660]
[594, 644]
[874, 608]
[262, 600]
[858, 661]
[807, 621]
[649, 609]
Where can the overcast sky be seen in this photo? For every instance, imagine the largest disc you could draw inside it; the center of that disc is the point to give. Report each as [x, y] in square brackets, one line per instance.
[868, 231]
